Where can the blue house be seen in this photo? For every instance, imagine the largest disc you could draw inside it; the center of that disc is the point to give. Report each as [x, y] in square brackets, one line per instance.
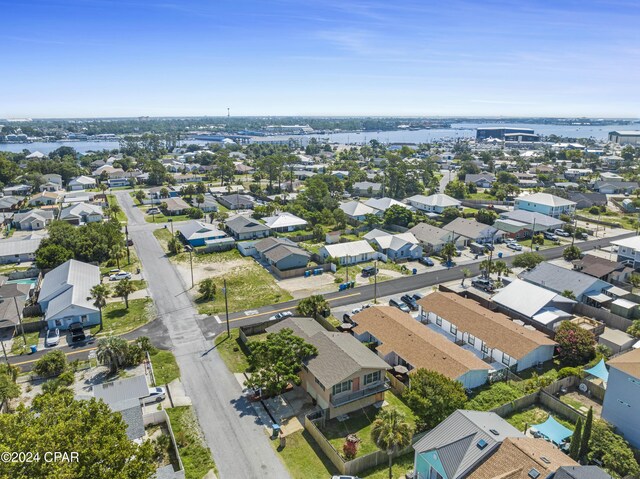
[65, 295]
[197, 233]
[546, 204]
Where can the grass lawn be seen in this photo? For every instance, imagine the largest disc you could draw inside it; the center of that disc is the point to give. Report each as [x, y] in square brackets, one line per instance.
[303, 457]
[195, 455]
[401, 465]
[121, 216]
[118, 320]
[574, 403]
[165, 368]
[18, 347]
[480, 195]
[360, 423]
[248, 287]
[356, 270]
[534, 415]
[163, 235]
[159, 217]
[232, 351]
[130, 266]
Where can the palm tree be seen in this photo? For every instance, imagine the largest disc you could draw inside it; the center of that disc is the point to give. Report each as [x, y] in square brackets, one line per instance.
[114, 209]
[466, 273]
[501, 267]
[140, 196]
[117, 253]
[123, 289]
[448, 250]
[391, 433]
[112, 352]
[488, 267]
[99, 293]
[313, 305]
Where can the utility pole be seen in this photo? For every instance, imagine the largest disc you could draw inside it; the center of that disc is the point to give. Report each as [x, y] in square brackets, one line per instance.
[24, 337]
[171, 223]
[126, 232]
[226, 306]
[347, 269]
[575, 227]
[189, 248]
[533, 233]
[375, 283]
[4, 351]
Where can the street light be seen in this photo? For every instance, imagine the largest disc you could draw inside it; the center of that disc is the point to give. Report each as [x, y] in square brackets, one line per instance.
[226, 306]
[189, 248]
[170, 220]
[375, 282]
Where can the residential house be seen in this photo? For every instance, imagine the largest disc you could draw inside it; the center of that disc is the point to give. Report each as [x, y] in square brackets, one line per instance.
[282, 253]
[433, 204]
[344, 376]
[246, 228]
[520, 224]
[54, 178]
[13, 297]
[210, 204]
[433, 238]
[490, 335]
[108, 171]
[602, 268]
[587, 200]
[352, 252]
[187, 178]
[357, 212]
[481, 180]
[581, 472]
[10, 203]
[573, 174]
[473, 230]
[617, 341]
[197, 233]
[45, 198]
[82, 213]
[402, 341]
[621, 407]
[242, 169]
[65, 295]
[383, 204]
[526, 180]
[36, 155]
[17, 190]
[546, 204]
[366, 188]
[123, 396]
[50, 187]
[541, 307]
[19, 250]
[397, 247]
[283, 222]
[81, 183]
[609, 187]
[33, 220]
[236, 201]
[119, 182]
[628, 251]
[174, 206]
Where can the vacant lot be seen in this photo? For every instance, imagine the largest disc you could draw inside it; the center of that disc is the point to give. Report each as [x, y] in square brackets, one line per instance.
[117, 319]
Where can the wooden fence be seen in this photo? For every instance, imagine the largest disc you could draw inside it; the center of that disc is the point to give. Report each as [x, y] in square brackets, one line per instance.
[298, 272]
[607, 317]
[159, 417]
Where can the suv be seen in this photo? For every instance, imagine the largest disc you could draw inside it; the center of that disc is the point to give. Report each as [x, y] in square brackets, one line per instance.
[77, 332]
[425, 260]
[119, 276]
[483, 284]
[409, 301]
[550, 236]
[369, 271]
[561, 232]
[399, 304]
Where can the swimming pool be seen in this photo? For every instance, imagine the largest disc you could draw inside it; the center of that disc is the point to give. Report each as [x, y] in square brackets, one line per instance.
[32, 281]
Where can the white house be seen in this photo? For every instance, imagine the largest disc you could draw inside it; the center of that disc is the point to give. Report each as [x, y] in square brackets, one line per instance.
[546, 204]
[383, 204]
[401, 246]
[82, 213]
[284, 221]
[348, 253]
[629, 251]
[434, 203]
[357, 211]
[82, 183]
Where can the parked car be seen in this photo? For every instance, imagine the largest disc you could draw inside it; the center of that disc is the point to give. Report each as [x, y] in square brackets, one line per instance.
[425, 260]
[345, 477]
[129, 242]
[282, 315]
[153, 211]
[549, 235]
[53, 337]
[582, 236]
[156, 394]
[417, 296]
[483, 284]
[514, 246]
[397, 303]
[369, 271]
[409, 301]
[119, 276]
[561, 232]
[77, 332]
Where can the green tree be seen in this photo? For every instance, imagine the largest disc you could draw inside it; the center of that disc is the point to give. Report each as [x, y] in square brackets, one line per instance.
[450, 213]
[567, 293]
[57, 422]
[456, 188]
[112, 352]
[276, 361]
[175, 245]
[527, 260]
[448, 250]
[313, 305]
[52, 255]
[575, 345]
[99, 293]
[571, 252]
[612, 450]
[51, 364]
[574, 447]
[123, 289]
[634, 329]
[432, 397]
[140, 196]
[391, 432]
[398, 215]
[372, 220]
[501, 268]
[466, 273]
[207, 289]
[586, 435]
[485, 216]
[8, 387]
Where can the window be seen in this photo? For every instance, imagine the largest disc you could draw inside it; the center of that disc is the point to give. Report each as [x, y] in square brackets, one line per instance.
[453, 329]
[433, 474]
[506, 359]
[342, 387]
[485, 348]
[471, 339]
[371, 378]
[84, 318]
[438, 320]
[58, 323]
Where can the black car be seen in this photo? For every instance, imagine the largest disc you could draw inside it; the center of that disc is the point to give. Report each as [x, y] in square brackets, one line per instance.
[417, 296]
[77, 332]
[369, 271]
[483, 284]
[409, 301]
[399, 304]
[425, 260]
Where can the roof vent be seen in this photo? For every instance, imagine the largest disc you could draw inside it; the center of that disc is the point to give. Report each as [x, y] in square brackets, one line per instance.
[482, 444]
[534, 474]
[545, 460]
[494, 432]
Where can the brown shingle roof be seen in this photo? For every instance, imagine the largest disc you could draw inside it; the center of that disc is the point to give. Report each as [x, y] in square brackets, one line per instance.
[415, 343]
[516, 456]
[627, 362]
[495, 329]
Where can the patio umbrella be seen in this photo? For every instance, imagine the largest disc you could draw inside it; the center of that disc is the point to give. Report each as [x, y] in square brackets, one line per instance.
[400, 369]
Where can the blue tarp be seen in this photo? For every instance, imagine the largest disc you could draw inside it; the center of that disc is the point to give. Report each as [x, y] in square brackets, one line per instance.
[599, 371]
[553, 430]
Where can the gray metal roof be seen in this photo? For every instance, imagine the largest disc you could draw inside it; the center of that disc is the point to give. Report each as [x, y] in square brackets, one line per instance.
[120, 390]
[18, 247]
[531, 216]
[559, 279]
[243, 224]
[69, 284]
[131, 411]
[581, 472]
[456, 439]
[470, 228]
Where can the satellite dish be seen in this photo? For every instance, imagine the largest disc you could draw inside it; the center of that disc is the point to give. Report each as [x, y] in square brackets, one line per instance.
[583, 387]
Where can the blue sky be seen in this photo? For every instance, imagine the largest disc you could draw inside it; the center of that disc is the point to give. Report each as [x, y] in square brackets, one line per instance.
[66, 58]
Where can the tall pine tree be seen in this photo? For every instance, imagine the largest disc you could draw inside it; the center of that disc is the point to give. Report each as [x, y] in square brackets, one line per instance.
[574, 448]
[586, 435]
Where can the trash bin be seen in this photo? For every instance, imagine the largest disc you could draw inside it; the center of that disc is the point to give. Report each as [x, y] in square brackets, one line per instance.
[500, 255]
[276, 430]
[415, 271]
[34, 348]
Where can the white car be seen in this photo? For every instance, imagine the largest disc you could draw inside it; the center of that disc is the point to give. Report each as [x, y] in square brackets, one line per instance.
[514, 246]
[155, 395]
[561, 232]
[284, 314]
[119, 276]
[53, 337]
[153, 211]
